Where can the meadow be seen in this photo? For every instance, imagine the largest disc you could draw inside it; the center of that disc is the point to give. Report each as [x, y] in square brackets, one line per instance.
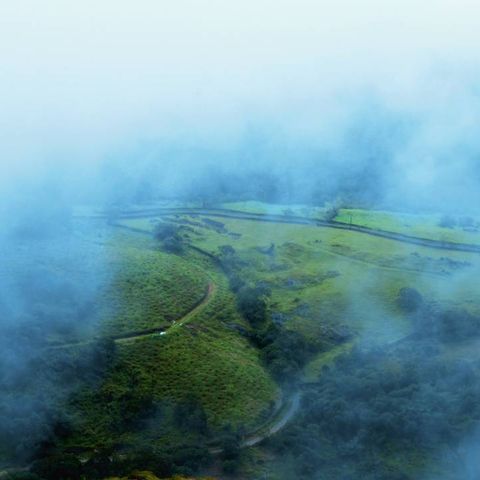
[435, 226]
[148, 287]
[323, 279]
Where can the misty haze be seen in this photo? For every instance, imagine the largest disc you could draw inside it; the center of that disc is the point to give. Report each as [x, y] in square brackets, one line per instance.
[240, 240]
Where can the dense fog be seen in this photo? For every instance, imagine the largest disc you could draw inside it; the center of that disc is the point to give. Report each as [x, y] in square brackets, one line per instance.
[108, 105]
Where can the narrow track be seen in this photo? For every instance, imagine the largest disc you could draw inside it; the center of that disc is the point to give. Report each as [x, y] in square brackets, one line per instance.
[298, 220]
[150, 332]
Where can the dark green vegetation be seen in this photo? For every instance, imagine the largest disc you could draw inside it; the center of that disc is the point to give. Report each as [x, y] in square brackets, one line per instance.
[386, 415]
[392, 413]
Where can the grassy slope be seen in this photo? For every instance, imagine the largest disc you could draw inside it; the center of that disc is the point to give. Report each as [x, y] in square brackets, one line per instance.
[203, 359]
[149, 287]
[207, 359]
[323, 277]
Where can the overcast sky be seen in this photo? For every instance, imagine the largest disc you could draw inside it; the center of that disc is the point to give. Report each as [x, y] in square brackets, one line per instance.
[80, 79]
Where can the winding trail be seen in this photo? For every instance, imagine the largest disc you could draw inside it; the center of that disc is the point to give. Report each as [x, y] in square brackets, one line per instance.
[132, 336]
[278, 420]
[150, 332]
[286, 413]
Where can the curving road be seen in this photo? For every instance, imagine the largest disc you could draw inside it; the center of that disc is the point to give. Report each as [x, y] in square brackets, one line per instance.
[286, 413]
[298, 220]
[279, 419]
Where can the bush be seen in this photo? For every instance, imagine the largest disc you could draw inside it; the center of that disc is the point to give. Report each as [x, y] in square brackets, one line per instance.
[22, 476]
[456, 325]
[190, 416]
[447, 221]
[173, 245]
[230, 466]
[163, 230]
[253, 306]
[331, 213]
[169, 235]
[409, 299]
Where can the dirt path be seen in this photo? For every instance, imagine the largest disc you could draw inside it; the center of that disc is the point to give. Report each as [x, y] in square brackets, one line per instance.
[286, 413]
[151, 332]
[279, 420]
[175, 324]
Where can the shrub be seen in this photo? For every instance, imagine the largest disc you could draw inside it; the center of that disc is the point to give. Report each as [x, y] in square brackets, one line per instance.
[447, 221]
[331, 213]
[409, 299]
[169, 235]
[163, 230]
[253, 306]
[466, 222]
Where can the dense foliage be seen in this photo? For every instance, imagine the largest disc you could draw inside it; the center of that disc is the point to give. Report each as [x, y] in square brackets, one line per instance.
[381, 414]
[283, 351]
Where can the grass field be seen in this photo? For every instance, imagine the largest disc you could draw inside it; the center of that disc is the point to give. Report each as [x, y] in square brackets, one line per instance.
[465, 228]
[323, 279]
[424, 226]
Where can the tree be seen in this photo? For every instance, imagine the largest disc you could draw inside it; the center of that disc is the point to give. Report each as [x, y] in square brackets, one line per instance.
[331, 213]
[252, 304]
[165, 230]
[447, 221]
[409, 299]
[169, 235]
